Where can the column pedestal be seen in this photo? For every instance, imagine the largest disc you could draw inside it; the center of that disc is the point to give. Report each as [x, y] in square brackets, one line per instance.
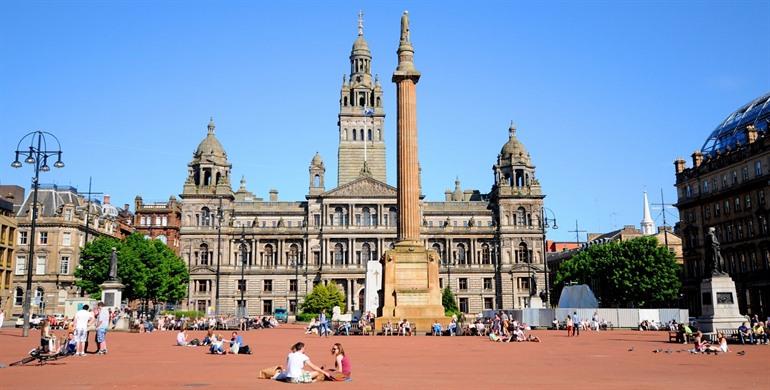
[112, 295]
[719, 304]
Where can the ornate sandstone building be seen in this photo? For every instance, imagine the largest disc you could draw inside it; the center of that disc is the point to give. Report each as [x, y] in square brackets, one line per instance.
[489, 244]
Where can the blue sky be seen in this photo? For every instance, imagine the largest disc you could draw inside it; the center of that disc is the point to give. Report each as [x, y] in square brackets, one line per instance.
[605, 94]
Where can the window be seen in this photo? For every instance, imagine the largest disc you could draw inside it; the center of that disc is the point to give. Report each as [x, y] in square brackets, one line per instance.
[714, 184]
[745, 173]
[66, 239]
[43, 238]
[202, 286]
[706, 186]
[21, 265]
[241, 285]
[68, 215]
[707, 212]
[726, 207]
[738, 203]
[487, 283]
[164, 221]
[162, 238]
[523, 284]
[64, 265]
[747, 202]
[522, 254]
[750, 228]
[204, 254]
[293, 285]
[761, 197]
[339, 254]
[485, 257]
[461, 253]
[267, 285]
[688, 191]
[338, 217]
[735, 178]
[463, 283]
[489, 304]
[40, 265]
[757, 168]
[464, 305]
[18, 297]
[316, 219]
[366, 252]
[724, 181]
[367, 216]
[267, 306]
[717, 211]
[294, 255]
[22, 238]
[269, 255]
[292, 305]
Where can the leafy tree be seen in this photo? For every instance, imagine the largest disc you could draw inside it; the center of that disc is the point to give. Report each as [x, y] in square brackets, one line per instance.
[323, 297]
[634, 273]
[148, 269]
[449, 302]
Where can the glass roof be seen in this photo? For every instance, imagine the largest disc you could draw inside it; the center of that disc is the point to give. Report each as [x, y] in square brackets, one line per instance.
[730, 132]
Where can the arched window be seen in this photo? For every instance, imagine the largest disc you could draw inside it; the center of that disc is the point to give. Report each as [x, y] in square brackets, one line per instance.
[392, 217]
[379, 135]
[317, 181]
[294, 255]
[362, 134]
[485, 255]
[206, 217]
[523, 253]
[521, 216]
[18, 297]
[338, 216]
[339, 254]
[355, 135]
[366, 252]
[369, 135]
[461, 258]
[203, 254]
[366, 216]
[269, 258]
[436, 247]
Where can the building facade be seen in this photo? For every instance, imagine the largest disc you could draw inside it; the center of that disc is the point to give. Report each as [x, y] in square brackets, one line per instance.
[158, 220]
[726, 188]
[7, 242]
[489, 243]
[61, 232]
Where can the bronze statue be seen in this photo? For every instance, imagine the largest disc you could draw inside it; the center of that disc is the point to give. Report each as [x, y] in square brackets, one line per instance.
[113, 276]
[713, 254]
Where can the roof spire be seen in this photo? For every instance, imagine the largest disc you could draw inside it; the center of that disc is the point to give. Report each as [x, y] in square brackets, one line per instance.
[512, 129]
[212, 126]
[647, 225]
[360, 23]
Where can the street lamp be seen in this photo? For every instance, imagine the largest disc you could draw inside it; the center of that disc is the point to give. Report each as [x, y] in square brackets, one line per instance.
[220, 217]
[295, 262]
[242, 283]
[38, 154]
[546, 223]
[449, 263]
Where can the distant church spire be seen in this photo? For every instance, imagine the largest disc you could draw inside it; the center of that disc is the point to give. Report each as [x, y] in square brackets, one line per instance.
[648, 226]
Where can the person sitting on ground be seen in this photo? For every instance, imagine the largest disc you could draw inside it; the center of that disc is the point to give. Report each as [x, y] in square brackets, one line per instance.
[760, 336]
[209, 337]
[237, 346]
[700, 345]
[47, 339]
[295, 367]
[342, 369]
[343, 327]
[71, 345]
[494, 337]
[480, 328]
[181, 338]
[387, 329]
[744, 332]
[533, 338]
[436, 328]
[312, 325]
[722, 342]
[217, 345]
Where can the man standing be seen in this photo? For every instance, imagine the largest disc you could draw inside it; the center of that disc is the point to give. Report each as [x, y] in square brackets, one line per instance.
[576, 327]
[83, 318]
[323, 327]
[102, 322]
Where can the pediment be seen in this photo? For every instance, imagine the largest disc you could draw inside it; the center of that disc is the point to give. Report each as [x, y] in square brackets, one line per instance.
[202, 269]
[363, 187]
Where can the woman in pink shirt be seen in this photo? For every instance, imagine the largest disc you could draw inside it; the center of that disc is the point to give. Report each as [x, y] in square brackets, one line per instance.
[342, 371]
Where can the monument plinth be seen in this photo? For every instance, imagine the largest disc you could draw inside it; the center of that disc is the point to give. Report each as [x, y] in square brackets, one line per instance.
[410, 271]
[112, 291]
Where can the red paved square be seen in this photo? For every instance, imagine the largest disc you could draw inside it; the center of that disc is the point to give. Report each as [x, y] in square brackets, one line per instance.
[592, 360]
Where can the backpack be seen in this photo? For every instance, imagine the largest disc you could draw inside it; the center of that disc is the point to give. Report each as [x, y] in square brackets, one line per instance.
[195, 342]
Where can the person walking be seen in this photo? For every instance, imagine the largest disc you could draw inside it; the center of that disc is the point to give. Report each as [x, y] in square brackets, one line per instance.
[2, 317]
[569, 325]
[576, 324]
[323, 326]
[83, 319]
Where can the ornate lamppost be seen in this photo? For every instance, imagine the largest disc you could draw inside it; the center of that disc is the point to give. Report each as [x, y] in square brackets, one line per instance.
[37, 153]
[220, 217]
[546, 223]
[242, 282]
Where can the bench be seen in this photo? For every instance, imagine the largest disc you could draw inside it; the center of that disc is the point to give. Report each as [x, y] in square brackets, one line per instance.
[731, 334]
[672, 337]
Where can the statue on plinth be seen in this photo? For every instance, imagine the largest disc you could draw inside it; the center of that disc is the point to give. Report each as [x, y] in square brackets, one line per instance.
[113, 275]
[713, 254]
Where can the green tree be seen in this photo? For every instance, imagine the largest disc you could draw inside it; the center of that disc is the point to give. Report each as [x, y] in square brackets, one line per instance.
[633, 273]
[449, 302]
[148, 269]
[323, 297]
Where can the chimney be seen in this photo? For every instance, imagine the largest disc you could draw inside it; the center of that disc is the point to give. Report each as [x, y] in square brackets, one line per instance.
[751, 134]
[697, 158]
[447, 195]
[106, 199]
[273, 195]
[125, 206]
[679, 165]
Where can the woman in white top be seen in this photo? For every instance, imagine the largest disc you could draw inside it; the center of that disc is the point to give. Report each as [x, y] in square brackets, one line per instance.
[295, 367]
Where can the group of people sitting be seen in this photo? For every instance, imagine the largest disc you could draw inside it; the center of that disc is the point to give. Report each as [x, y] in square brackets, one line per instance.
[451, 329]
[215, 342]
[754, 334]
[299, 368]
[703, 346]
[49, 344]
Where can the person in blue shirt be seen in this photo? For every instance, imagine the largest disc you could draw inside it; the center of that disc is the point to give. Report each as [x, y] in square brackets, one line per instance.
[576, 324]
[323, 326]
[745, 333]
[436, 328]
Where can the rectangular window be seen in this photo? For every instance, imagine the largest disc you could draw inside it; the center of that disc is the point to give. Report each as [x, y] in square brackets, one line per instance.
[21, 265]
[523, 284]
[66, 239]
[292, 285]
[441, 283]
[726, 207]
[735, 178]
[463, 283]
[714, 184]
[738, 203]
[267, 285]
[761, 197]
[464, 305]
[316, 219]
[164, 221]
[747, 202]
[750, 228]
[757, 168]
[22, 238]
[489, 304]
[64, 265]
[706, 187]
[487, 283]
[707, 212]
[43, 238]
[358, 219]
[241, 285]
[292, 305]
[716, 210]
[745, 173]
[267, 307]
[40, 265]
[68, 215]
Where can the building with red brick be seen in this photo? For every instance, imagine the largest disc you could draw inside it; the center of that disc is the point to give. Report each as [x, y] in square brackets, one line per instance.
[159, 220]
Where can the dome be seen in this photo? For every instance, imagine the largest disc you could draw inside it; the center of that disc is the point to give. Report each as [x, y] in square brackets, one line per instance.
[210, 145]
[317, 160]
[360, 47]
[730, 132]
[513, 149]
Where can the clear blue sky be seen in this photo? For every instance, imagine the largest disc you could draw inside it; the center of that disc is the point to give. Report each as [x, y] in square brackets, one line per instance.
[605, 94]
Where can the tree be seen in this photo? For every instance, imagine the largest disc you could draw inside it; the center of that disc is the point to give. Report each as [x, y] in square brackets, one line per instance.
[449, 302]
[148, 269]
[634, 273]
[323, 297]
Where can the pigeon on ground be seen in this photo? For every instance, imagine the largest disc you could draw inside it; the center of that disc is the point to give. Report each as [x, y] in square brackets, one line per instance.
[741, 353]
[668, 351]
[657, 350]
[631, 349]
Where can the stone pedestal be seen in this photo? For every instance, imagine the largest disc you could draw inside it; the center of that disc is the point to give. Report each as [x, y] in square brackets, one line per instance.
[535, 302]
[112, 294]
[719, 304]
[373, 286]
[410, 287]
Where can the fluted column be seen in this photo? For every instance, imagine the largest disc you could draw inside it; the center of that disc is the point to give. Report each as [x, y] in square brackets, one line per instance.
[408, 190]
